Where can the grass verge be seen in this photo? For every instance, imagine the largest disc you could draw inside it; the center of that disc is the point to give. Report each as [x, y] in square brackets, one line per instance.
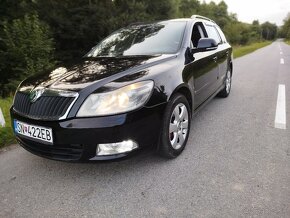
[6, 133]
[287, 41]
[240, 51]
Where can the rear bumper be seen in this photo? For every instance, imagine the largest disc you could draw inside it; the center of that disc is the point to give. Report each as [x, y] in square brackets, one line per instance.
[77, 139]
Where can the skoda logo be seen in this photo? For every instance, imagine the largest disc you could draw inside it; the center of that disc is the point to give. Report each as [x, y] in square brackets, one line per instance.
[35, 94]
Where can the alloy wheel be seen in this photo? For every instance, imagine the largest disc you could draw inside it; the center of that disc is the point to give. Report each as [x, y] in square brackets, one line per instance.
[178, 127]
[228, 82]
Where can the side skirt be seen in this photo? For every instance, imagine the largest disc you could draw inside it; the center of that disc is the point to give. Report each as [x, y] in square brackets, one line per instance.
[207, 100]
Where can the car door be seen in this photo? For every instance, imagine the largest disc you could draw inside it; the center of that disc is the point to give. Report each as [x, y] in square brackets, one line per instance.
[223, 55]
[220, 54]
[203, 69]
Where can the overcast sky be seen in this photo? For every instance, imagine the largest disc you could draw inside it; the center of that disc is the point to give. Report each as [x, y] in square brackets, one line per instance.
[263, 10]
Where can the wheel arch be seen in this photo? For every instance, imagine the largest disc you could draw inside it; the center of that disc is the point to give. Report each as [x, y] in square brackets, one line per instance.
[184, 90]
[231, 67]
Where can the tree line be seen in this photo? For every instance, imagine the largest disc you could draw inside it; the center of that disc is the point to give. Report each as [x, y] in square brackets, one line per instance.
[284, 32]
[35, 35]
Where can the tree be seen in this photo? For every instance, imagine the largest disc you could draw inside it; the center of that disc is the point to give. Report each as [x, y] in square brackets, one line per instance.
[130, 12]
[187, 8]
[27, 50]
[26, 44]
[76, 25]
[80, 24]
[269, 31]
[162, 9]
[285, 30]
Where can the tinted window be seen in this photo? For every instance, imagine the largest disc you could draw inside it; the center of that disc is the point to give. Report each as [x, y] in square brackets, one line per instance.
[213, 33]
[197, 33]
[145, 39]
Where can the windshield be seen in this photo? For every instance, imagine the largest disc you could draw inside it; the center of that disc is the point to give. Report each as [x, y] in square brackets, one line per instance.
[144, 39]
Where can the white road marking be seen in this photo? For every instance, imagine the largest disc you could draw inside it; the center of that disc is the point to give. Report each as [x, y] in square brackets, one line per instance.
[280, 118]
[279, 47]
[282, 61]
[281, 52]
[2, 120]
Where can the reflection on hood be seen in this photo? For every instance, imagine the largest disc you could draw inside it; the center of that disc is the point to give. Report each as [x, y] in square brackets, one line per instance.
[87, 72]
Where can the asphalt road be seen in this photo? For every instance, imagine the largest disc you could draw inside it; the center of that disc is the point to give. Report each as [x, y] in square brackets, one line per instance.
[236, 163]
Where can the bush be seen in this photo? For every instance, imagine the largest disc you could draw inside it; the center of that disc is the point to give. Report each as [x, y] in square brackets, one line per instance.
[26, 50]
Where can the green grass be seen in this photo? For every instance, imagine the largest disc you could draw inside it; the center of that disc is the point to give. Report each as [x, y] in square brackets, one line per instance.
[6, 133]
[240, 51]
[287, 41]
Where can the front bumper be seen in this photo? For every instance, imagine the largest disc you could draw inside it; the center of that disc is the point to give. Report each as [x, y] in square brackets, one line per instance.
[76, 139]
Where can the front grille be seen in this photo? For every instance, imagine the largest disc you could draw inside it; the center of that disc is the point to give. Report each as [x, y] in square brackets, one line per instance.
[46, 107]
[71, 152]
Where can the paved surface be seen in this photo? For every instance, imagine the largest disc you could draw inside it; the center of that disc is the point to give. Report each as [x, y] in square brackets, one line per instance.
[236, 163]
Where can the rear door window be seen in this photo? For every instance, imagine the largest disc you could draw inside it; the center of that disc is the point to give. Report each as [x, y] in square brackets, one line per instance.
[224, 39]
[213, 33]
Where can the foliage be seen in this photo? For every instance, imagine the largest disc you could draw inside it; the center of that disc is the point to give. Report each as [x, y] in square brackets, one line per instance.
[27, 49]
[269, 31]
[285, 30]
[34, 32]
[79, 25]
[6, 134]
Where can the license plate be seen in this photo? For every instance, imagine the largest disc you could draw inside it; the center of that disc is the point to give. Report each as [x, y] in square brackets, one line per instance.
[34, 132]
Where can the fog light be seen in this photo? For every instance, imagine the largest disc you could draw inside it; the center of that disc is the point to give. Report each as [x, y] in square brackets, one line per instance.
[116, 148]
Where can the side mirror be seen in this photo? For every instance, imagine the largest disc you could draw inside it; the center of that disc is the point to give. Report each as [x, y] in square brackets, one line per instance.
[206, 44]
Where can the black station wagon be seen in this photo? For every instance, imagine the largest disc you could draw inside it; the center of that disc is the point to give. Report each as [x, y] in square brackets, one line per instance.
[137, 88]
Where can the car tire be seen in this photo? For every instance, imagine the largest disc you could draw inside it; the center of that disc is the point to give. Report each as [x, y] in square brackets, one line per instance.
[175, 127]
[227, 86]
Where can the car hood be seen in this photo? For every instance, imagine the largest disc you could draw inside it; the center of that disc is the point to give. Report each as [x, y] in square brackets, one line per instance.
[89, 71]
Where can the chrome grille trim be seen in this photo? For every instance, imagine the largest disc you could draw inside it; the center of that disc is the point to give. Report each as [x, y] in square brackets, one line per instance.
[52, 105]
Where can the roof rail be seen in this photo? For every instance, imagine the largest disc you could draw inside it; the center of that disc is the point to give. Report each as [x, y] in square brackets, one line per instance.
[195, 16]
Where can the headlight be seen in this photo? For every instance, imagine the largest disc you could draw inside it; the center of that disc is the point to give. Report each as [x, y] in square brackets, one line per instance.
[122, 100]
